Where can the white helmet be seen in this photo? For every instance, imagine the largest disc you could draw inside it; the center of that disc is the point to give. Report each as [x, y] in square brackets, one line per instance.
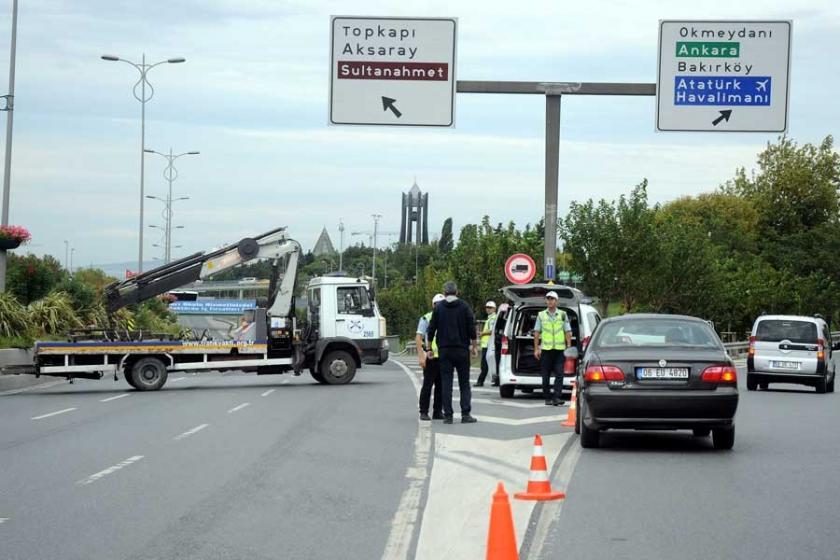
[490, 303]
[437, 298]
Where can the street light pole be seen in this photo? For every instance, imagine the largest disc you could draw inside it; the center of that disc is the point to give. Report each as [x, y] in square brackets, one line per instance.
[144, 69]
[341, 245]
[170, 173]
[67, 254]
[72, 252]
[7, 169]
[375, 233]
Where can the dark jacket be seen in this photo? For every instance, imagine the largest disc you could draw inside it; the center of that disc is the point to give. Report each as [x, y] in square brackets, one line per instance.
[453, 323]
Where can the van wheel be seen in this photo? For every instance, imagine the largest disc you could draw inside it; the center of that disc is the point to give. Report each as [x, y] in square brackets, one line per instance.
[338, 368]
[723, 438]
[506, 391]
[752, 384]
[821, 386]
[148, 374]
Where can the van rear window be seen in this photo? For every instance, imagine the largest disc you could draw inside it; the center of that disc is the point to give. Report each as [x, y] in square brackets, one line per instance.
[775, 330]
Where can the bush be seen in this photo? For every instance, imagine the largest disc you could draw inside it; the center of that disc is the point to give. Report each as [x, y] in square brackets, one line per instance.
[14, 319]
[30, 278]
[53, 314]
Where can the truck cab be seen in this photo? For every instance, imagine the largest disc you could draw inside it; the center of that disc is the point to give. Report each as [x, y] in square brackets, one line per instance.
[345, 326]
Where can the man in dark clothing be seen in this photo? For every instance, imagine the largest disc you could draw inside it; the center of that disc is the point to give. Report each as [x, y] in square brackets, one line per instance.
[453, 327]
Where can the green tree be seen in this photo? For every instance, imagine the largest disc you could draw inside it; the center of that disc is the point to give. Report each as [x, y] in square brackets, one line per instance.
[30, 278]
[446, 242]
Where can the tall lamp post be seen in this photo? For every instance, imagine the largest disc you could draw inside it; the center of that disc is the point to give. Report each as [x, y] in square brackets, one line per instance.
[7, 169]
[142, 97]
[170, 174]
[167, 228]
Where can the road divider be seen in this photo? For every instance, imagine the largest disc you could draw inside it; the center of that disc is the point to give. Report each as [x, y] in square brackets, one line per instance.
[110, 470]
[56, 413]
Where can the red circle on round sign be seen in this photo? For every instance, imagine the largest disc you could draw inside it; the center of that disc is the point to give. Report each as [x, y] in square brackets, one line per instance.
[520, 268]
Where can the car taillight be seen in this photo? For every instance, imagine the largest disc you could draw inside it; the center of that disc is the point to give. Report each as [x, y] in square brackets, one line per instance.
[820, 349]
[600, 374]
[719, 374]
[751, 351]
[569, 365]
[505, 350]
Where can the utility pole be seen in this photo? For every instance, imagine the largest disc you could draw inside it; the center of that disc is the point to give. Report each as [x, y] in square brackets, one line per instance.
[67, 254]
[7, 170]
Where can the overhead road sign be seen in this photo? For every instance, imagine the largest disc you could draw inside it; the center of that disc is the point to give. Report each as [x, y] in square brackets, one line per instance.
[723, 76]
[392, 71]
[520, 268]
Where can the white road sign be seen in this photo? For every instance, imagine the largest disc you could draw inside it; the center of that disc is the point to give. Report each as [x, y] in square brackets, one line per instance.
[725, 76]
[520, 268]
[392, 71]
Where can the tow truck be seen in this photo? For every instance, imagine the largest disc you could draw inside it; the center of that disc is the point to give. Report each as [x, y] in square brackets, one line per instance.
[343, 328]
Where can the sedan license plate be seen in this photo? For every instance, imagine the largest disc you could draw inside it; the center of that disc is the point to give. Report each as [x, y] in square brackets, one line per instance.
[662, 373]
[784, 365]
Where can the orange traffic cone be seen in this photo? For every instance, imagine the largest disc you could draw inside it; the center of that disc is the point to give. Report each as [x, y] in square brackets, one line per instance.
[539, 488]
[572, 415]
[501, 539]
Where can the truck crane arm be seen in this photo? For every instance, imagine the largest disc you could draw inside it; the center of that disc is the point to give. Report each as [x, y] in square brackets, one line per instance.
[273, 244]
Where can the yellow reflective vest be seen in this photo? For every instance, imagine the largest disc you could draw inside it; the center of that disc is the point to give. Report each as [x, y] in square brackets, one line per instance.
[485, 338]
[428, 317]
[552, 330]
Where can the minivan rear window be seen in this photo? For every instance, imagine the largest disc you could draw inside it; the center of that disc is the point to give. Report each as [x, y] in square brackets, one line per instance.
[777, 330]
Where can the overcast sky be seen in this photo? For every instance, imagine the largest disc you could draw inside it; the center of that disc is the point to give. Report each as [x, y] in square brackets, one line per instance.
[253, 94]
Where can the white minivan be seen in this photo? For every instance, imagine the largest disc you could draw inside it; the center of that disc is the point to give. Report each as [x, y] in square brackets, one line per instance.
[518, 368]
[791, 349]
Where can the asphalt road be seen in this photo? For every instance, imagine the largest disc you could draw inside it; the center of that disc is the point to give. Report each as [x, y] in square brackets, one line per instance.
[211, 467]
[668, 495]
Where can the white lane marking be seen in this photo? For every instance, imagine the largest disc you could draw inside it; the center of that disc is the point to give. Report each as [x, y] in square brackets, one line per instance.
[518, 421]
[46, 385]
[188, 433]
[513, 404]
[285, 381]
[268, 392]
[4, 519]
[177, 379]
[110, 470]
[57, 412]
[238, 407]
[407, 517]
[116, 397]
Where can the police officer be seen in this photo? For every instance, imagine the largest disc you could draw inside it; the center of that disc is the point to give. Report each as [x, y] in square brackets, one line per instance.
[486, 338]
[552, 335]
[430, 365]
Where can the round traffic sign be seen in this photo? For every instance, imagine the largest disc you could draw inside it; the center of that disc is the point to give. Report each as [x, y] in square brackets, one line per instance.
[520, 268]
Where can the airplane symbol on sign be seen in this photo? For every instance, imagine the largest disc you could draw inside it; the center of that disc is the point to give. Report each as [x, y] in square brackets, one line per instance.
[762, 86]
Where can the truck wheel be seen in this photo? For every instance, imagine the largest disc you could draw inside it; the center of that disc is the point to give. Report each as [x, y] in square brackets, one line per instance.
[338, 368]
[148, 374]
[128, 379]
[316, 375]
[506, 391]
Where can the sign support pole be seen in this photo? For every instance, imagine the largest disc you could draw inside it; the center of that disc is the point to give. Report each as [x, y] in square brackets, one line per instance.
[553, 92]
[552, 167]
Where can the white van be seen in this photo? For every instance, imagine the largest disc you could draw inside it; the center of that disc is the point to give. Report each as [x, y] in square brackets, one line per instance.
[518, 368]
[791, 349]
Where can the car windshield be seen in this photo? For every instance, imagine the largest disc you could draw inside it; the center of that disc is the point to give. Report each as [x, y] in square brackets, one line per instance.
[655, 332]
[777, 330]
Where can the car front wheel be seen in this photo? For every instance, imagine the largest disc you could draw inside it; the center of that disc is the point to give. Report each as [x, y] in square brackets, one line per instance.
[506, 391]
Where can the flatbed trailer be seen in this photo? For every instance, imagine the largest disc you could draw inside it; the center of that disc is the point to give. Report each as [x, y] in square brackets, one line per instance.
[277, 345]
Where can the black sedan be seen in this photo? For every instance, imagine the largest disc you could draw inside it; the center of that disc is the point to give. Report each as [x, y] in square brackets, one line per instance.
[656, 372]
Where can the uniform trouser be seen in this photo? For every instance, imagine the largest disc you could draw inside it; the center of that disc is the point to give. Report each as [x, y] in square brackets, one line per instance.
[455, 359]
[484, 367]
[551, 363]
[431, 378]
